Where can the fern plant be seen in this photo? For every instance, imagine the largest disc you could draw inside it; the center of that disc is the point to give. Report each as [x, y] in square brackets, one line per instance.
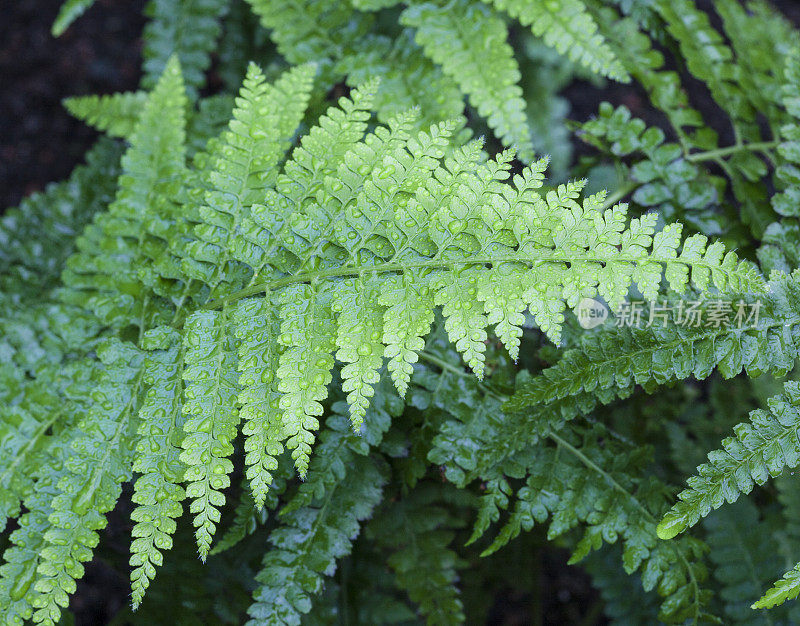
[330, 322]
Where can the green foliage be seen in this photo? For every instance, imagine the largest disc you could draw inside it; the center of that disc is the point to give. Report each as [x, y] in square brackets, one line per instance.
[466, 40]
[323, 284]
[38, 236]
[68, 13]
[185, 28]
[470, 45]
[115, 114]
[743, 560]
[760, 449]
[566, 26]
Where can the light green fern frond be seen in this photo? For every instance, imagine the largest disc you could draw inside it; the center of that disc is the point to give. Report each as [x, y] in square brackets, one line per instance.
[566, 26]
[157, 492]
[212, 418]
[468, 41]
[787, 588]
[70, 11]
[242, 165]
[257, 328]
[115, 114]
[104, 274]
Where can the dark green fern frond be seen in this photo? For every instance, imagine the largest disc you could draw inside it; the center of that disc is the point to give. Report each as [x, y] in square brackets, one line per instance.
[598, 490]
[408, 78]
[743, 560]
[624, 603]
[619, 358]
[316, 31]
[780, 248]
[343, 486]
[418, 531]
[759, 449]
[187, 29]
[38, 236]
[90, 482]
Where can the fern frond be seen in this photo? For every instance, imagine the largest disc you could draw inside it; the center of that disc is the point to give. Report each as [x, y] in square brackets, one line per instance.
[308, 337]
[646, 65]
[663, 179]
[32, 424]
[598, 490]
[566, 26]
[242, 164]
[761, 39]
[759, 449]
[779, 249]
[322, 150]
[468, 41]
[157, 492]
[624, 604]
[18, 572]
[90, 485]
[443, 248]
[311, 30]
[743, 558]
[37, 237]
[115, 114]
[359, 333]
[620, 358]
[418, 531]
[787, 588]
[343, 486]
[707, 57]
[104, 276]
[257, 328]
[187, 29]
[212, 418]
[408, 78]
[70, 11]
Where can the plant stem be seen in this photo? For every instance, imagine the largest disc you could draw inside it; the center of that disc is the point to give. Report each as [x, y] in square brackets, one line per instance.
[710, 155]
[619, 194]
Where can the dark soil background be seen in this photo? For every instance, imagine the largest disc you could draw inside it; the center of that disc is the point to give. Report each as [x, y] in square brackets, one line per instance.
[100, 53]
[40, 142]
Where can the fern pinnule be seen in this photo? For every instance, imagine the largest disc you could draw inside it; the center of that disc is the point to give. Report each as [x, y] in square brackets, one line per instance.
[158, 493]
[257, 329]
[114, 114]
[212, 417]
